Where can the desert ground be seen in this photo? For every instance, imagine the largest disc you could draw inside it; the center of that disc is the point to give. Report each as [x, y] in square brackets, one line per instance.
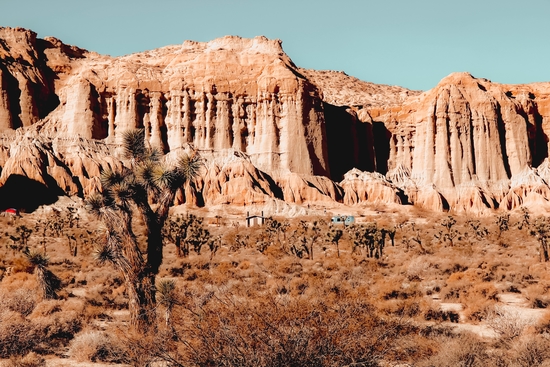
[449, 291]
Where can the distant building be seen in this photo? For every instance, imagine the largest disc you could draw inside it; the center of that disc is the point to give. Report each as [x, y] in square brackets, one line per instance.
[254, 220]
[346, 220]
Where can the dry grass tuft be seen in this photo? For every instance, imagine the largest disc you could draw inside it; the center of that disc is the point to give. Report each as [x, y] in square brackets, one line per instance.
[93, 346]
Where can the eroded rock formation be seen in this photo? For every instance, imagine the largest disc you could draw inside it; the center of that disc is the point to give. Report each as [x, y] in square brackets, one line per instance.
[268, 129]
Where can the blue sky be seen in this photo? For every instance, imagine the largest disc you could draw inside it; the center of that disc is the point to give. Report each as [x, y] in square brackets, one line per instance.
[411, 43]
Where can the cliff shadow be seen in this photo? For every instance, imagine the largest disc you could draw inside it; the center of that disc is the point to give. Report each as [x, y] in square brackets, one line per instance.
[25, 194]
[349, 141]
[381, 143]
[538, 140]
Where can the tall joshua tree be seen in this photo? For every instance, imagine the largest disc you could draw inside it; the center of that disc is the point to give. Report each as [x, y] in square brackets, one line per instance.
[146, 187]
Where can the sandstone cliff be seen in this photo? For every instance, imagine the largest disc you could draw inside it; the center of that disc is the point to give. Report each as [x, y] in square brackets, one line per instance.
[472, 139]
[268, 129]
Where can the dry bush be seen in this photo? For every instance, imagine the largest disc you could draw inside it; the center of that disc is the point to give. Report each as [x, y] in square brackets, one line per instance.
[30, 360]
[538, 295]
[531, 351]
[46, 329]
[431, 311]
[479, 311]
[543, 324]
[226, 330]
[18, 336]
[55, 331]
[46, 308]
[19, 280]
[467, 288]
[93, 346]
[508, 324]
[21, 300]
[461, 351]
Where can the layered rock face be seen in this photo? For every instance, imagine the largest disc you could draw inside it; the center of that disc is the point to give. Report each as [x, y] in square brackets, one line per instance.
[230, 94]
[473, 141]
[268, 129]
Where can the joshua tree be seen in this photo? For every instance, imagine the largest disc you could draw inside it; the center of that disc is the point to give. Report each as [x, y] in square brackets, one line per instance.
[24, 234]
[391, 233]
[334, 235]
[47, 280]
[214, 244]
[540, 229]
[166, 291]
[450, 232]
[197, 235]
[476, 231]
[176, 231]
[273, 229]
[503, 223]
[312, 233]
[525, 220]
[147, 180]
[368, 236]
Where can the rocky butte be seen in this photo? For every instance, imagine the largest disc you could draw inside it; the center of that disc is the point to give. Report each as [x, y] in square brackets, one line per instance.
[270, 131]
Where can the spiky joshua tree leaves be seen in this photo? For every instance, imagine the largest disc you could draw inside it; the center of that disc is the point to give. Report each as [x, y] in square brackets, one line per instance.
[167, 298]
[47, 281]
[148, 187]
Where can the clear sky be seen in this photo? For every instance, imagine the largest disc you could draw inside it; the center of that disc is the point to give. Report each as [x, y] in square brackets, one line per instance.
[411, 43]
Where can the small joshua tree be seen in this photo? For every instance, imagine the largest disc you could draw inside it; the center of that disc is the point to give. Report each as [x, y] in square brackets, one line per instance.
[167, 298]
[540, 229]
[391, 233]
[197, 235]
[334, 235]
[175, 230]
[475, 231]
[503, 223]
[47, 281]
[310, 233]
[449, 233]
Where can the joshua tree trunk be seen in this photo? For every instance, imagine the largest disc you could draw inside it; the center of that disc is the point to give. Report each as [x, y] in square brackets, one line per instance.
[543, 250]
[45, 281]
[141, 302]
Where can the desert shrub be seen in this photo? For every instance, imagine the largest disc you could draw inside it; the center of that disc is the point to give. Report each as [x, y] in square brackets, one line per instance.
[17, 334]
[479, 311]
[55, 331]
[462, 351]
[222, 331]
[30, 360]
[46, 308]
[531, 351]
[20, 300]
[20, 335]
[469, 289]
[402, 307]
[537, 295]
[437, 314]
[508, 324]
[543, 324]
[93, 346]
